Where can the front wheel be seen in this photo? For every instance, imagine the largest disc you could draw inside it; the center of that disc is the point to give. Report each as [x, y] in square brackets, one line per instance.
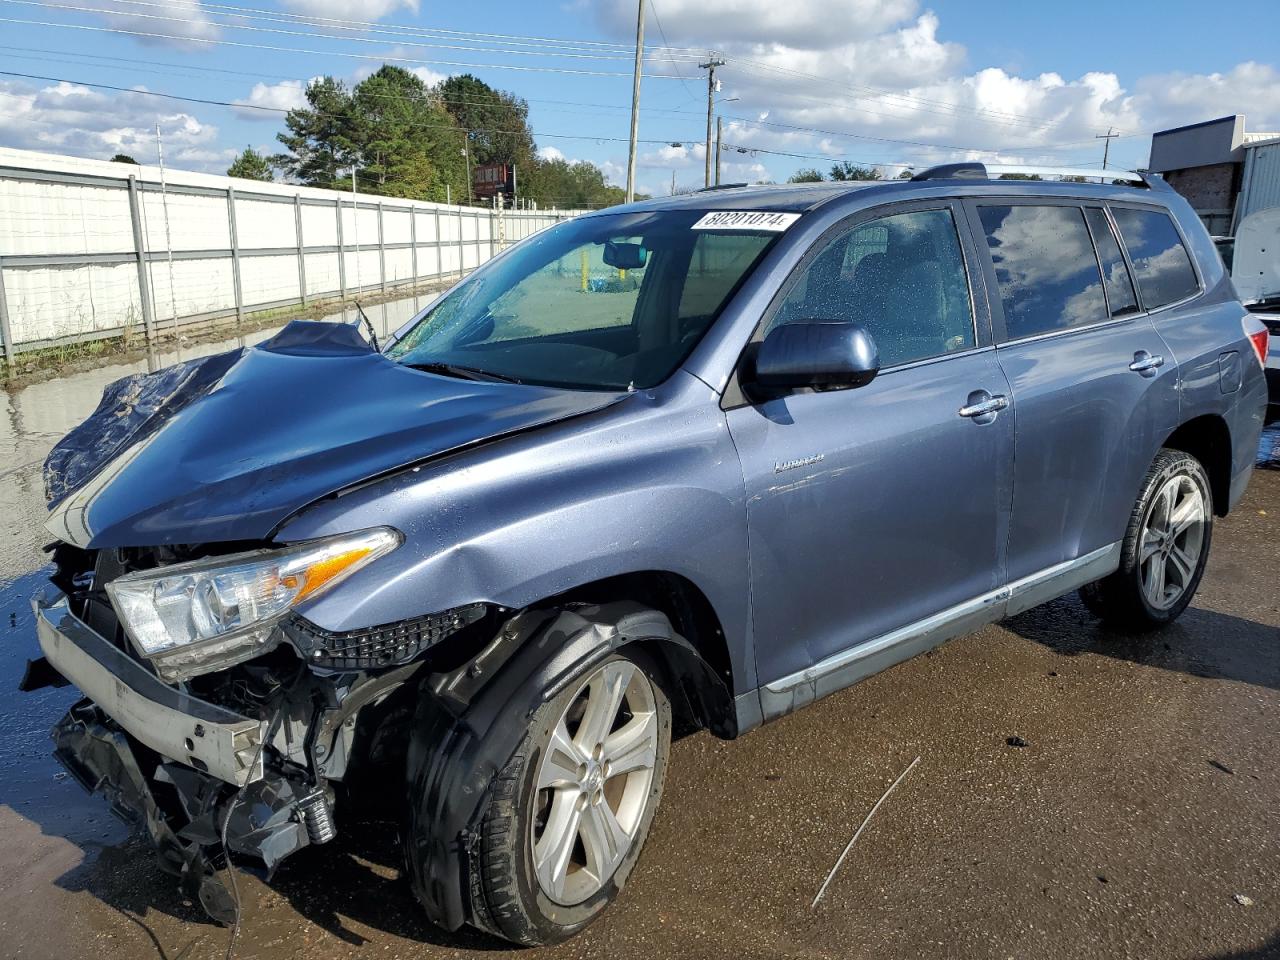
[1165, 548]
[569, 813]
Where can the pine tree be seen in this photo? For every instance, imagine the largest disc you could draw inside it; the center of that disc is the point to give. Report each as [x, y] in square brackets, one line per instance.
[250, 165]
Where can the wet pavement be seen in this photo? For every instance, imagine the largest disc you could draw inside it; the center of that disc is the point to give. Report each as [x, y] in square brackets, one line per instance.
[1141, 818]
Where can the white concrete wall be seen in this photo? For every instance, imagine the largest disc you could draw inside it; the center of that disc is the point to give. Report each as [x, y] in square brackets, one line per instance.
[68, 262]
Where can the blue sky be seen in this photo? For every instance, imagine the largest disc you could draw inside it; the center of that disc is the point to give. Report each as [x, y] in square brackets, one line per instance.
[882, 81]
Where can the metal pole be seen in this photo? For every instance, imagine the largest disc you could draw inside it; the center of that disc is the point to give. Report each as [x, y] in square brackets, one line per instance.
[635, 103]
[710, 67]
[439, 244]
[235, 255]
[461, 258]
[413, 242]
[382, 251]
[168, 239]
[355, 226]
[719, 134]
[302, 252]
[466, 153]
[144, 280]
[6, 332]
[342, 251]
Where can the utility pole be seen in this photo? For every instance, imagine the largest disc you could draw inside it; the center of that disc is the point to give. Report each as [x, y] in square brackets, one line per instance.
[673, 183]
[635, 103]
[466, 153]
[1106, 148]
[710, 67]
[719, 135]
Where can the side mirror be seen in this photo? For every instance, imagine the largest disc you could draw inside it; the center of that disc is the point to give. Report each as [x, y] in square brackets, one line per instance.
[823, 355]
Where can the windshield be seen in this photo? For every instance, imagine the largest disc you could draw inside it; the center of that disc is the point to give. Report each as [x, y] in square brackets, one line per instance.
[601, 303]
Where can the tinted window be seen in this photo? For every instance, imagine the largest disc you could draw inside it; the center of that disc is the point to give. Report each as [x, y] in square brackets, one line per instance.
[602, 302]
[1045, 267]
[902, 277]
[719, 261]
[1115, 274]
[1164, 269]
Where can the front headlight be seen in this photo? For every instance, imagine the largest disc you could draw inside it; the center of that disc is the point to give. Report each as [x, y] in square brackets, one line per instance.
[190, 618]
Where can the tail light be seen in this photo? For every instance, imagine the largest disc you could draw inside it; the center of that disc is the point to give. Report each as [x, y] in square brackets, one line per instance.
[1257, 337]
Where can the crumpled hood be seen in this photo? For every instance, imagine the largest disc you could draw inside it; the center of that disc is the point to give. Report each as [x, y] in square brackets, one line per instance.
[227, 447]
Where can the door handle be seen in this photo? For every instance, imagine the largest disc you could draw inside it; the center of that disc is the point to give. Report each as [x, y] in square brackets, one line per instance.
[977, 407]
[1145, 363]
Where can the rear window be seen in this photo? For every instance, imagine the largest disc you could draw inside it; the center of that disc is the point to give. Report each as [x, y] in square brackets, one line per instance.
[1045, 268]
[1163, 266]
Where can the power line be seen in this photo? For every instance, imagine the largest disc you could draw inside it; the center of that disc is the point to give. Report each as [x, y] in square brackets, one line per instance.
[311, 34]
[320, 53]
[399, 29]
[284, 110]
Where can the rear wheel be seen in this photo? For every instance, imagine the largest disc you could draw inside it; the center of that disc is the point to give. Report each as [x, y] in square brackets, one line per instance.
[570, 812]
[1165, 548]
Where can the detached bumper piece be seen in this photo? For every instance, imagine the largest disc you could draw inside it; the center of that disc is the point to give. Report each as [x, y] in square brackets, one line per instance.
[185, 771]
[203, 735]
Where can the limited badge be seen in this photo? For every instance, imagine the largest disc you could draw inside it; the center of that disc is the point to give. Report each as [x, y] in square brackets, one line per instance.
[746, 220]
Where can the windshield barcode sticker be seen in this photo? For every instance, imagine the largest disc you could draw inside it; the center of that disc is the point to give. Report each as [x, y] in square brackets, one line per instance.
[746, 220]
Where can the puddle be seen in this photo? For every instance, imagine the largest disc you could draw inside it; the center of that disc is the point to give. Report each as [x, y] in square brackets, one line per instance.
[1269, 448]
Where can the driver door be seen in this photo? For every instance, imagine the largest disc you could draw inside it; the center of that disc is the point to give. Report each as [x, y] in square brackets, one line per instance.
[872, 510]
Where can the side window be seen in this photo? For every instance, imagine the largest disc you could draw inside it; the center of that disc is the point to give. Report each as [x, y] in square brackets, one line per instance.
[1115, 275]
[902, 277]
[1045, 267]
[1163, 266]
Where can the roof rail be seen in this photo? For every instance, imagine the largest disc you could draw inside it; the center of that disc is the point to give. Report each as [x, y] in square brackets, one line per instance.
[993, 171]
[722, 186]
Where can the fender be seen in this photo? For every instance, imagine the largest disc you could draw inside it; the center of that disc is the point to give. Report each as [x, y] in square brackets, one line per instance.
[470, 721]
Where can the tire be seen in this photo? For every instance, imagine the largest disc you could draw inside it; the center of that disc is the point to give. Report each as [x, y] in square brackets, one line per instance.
[510, 896]
[1161, 565]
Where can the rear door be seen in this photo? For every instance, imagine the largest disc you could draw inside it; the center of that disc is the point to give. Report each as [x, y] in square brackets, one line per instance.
[1094, 388]
[872, 508]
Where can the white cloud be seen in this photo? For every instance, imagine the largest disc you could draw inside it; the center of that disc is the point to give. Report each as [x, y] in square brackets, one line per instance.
[266, 99]
[886, 73]
[346, 10]
[550, 153]
[813, 24]
[71, 119]
[183, 22]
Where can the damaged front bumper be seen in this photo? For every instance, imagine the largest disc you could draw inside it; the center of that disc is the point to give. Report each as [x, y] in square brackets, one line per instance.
[190, 773]
[210, 738]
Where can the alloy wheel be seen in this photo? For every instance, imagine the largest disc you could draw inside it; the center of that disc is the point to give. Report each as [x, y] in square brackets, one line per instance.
[1172, 541]
[593, 782]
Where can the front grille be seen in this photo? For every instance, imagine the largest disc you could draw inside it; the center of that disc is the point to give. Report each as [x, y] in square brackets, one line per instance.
[374, 647]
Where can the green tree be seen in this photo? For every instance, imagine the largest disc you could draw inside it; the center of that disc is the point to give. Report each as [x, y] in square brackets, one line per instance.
[497, 121]
[560, 183]
[806, 175]
[851, 171]
[250, 165]
[906, 174]
[318, 140]
[124, 158]
[403, 142]
[407, 144]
